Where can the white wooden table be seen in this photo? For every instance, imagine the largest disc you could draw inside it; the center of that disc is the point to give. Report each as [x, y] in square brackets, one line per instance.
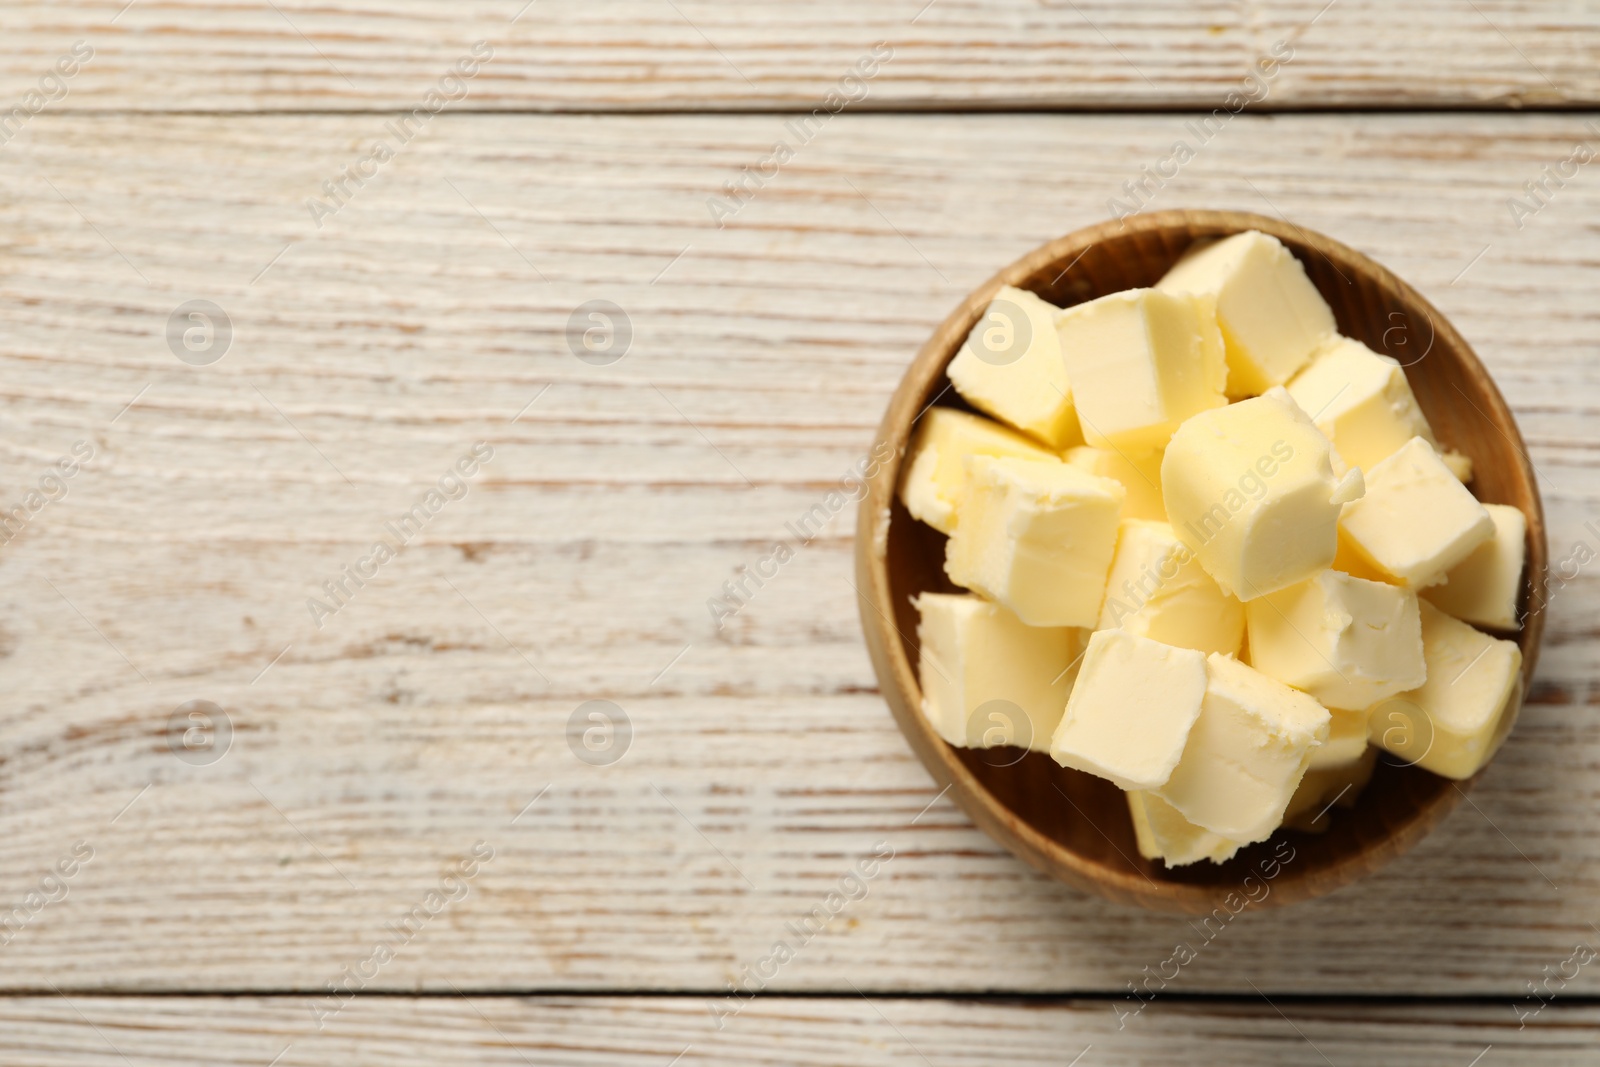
[374, 748]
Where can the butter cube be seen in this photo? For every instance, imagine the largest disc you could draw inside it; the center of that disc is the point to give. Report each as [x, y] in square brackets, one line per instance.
[1010, 367]
[1138, 471]
[1326, 788]
[1250, 489]
[1157, 589]
[1347, 641]
[1163, 833]
[1416, 520]
[936, 473]
[1036, 536]
[1361, 400]
[1130, 712]
[1456, 721]
[1349, 561]
[1460, 465]
[1271, 316]
[1484, 587]
[1346, 743]
[988, 678]
[1140, 362]
[1246, 753]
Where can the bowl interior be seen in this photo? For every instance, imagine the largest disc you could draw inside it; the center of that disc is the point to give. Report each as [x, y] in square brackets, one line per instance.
[1074, 825]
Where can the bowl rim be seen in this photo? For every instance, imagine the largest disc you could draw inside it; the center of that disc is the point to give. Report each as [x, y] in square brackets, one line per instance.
[897, 677]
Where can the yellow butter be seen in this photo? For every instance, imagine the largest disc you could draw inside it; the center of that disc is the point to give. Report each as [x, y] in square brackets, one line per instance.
[1163, 833]
[1270, 314]
[1246, 752]
[1361, 400]
[1140, 362]
[1010, 367]
[1458, 718]
[1037, 537]
[1349, 561]
[1250, 489]
[1130, 712]
[1157, 589]
[1416, 521]
[1484, 587]
[1346, 743]
[1347, 641]
[988, 678]
[935, 470]
[1322, 790]
[1460, 465]
[1138, 471]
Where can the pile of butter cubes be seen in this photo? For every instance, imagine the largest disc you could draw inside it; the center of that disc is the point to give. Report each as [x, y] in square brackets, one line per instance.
[1214, 553]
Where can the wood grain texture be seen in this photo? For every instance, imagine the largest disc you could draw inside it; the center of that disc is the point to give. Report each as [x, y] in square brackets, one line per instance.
[427, 714]
[651, 1032]
[166, 55]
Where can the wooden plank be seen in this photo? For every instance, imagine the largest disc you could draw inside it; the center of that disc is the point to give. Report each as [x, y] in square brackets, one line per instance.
[166, 55]
[369, 755]
[251, 1031]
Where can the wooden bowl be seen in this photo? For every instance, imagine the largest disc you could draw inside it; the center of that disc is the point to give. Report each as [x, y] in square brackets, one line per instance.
[1075, 826]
